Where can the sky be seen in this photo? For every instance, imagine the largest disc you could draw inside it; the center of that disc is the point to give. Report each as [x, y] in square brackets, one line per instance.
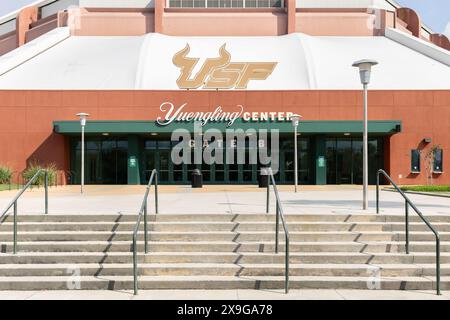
[434, 13]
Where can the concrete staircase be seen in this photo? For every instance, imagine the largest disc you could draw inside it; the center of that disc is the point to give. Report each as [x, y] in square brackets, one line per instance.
[222, 251]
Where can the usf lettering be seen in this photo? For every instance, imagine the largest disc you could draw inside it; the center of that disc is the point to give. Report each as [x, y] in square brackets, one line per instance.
[219, 73]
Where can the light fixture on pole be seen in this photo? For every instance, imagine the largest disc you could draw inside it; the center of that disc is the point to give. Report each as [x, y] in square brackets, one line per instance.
[295, 121]
[83, 118]
[365, 67]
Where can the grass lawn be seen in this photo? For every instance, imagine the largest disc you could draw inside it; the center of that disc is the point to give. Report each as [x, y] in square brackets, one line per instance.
[426, 188]
[4, 187]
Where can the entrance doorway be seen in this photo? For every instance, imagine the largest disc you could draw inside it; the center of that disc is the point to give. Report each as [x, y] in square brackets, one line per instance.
[344, 160]
[105, 161]
[157, 155]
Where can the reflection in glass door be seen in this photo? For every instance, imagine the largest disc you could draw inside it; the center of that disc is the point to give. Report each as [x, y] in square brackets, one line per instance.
[344, 160]
[106, 161]
[357, 148]
[233, 168]
[157, 156]
[287, 164]
[164, 160]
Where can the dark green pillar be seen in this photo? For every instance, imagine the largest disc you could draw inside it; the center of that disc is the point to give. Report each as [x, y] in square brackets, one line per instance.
[320, 160]
[133, 160]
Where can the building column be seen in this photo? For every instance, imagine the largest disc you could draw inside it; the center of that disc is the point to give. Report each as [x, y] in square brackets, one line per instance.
[291, 12]
[320, 160]
[159, 15]
[133, 160]
[412, 20]
[24, 19]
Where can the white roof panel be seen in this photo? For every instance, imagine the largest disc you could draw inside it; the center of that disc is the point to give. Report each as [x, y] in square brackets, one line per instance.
[79, 63]
[303, 63]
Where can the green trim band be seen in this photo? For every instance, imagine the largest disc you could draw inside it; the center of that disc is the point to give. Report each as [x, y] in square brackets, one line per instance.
[384, 127]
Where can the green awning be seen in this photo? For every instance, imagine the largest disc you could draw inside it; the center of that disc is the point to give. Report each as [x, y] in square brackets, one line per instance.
[381, 127]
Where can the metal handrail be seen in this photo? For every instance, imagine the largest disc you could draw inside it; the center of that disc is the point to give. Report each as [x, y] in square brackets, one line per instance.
[279, 214]
[16, 198]
[138, 222]
[408, 203]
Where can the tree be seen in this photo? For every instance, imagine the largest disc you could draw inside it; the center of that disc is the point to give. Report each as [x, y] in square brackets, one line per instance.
[429, 162]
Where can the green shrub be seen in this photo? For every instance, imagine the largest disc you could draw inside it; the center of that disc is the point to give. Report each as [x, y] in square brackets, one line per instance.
[34, 168]
[5, 175]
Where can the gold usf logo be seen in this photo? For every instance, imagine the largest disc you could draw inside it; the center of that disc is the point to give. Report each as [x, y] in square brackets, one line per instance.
[219, 73]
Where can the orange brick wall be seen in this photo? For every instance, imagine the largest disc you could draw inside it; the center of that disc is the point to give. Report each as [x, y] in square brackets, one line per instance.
[26, 132]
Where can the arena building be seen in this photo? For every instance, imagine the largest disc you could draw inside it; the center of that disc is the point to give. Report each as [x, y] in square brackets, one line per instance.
[127, 63]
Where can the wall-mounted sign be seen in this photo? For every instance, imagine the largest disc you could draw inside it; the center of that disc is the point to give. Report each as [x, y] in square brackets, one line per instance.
[218, 115]
[219, 72]
[132, 162]
[321, 162]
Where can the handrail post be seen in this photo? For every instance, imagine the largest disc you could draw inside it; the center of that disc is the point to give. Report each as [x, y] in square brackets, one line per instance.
[277, 227]
[286, 282]
[156, 191]
[279, 215]
[145, 228]
[46, 191]
[408, 204]
[268, 195]
[143, 211]
[135, 275]
[438, 265]
[378, 192]
[15, 229]
[407, 226]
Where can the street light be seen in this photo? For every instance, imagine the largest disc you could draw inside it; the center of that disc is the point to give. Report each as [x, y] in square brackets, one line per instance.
[295, 120]
[83, 118]
[365, 67]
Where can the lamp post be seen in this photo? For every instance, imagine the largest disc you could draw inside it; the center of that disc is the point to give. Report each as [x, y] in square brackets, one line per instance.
[295, 120]
[365, 67]
[83, 118]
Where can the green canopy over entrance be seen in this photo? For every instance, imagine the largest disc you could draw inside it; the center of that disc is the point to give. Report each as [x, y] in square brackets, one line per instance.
[382, 127]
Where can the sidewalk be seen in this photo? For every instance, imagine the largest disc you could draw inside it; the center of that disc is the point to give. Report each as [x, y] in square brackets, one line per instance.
[226, 295]
[217, 199]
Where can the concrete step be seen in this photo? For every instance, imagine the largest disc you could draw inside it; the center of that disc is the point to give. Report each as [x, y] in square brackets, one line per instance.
[218, 282]
[207, 226]
[304, 217]
[204, 236]
[193, 226]
[226, 251]
[222, 236]
[223, 246]
[416, 226]
[222, 257]
[221, 269]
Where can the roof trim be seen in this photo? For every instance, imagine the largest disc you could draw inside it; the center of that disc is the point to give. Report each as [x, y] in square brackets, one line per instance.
[28, 51]
[11, 16]
[419, 45]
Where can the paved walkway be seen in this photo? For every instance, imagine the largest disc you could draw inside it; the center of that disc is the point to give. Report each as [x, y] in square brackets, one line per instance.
[226, 295]
[217, 199]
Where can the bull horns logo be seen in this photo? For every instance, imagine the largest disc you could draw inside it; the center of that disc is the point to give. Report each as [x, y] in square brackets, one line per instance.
[220, 72]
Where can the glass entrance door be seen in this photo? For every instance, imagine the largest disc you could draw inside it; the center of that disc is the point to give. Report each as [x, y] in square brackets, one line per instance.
[157, 155]
[287, 164]
[344, 160]
[105, 161]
